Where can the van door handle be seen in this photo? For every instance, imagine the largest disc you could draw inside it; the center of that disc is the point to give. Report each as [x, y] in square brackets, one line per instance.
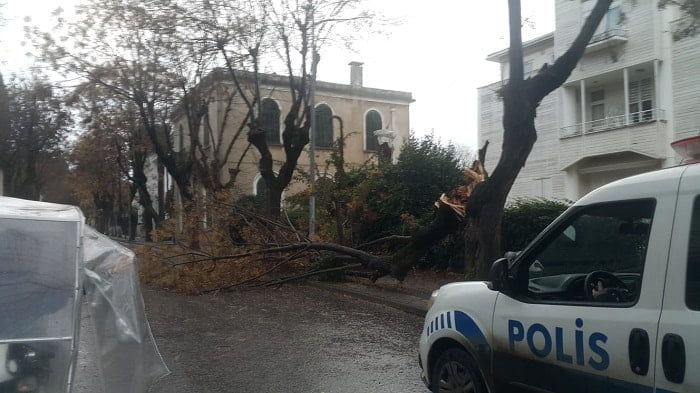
[673, 357]
[639, 351]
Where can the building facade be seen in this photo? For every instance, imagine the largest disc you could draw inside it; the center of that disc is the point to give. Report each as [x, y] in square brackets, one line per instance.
[363, 110]
[636, 89]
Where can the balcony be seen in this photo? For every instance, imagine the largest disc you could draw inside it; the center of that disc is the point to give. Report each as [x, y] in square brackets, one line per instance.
[607, 39]
[612, 122]
[642, 132]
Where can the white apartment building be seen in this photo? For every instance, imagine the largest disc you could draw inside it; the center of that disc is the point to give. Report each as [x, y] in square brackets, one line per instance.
[636, 89]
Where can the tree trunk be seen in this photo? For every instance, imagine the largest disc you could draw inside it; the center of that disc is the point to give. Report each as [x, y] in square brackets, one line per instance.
[520, 100]
[140, 182]
[481, 246]
[161, 191]
[446, 222]
[274, 201]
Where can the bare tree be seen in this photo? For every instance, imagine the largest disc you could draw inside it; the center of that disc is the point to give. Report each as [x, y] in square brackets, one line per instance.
[136, 51]
[252, 35]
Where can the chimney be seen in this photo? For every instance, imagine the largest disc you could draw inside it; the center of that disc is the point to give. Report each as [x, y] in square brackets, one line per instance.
[355, 73]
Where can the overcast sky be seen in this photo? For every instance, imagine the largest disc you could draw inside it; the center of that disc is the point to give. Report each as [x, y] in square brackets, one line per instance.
[437, 53]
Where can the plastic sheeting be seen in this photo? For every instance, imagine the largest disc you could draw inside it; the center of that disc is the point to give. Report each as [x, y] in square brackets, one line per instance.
[37, 278]
[128, 356]
[46, 252]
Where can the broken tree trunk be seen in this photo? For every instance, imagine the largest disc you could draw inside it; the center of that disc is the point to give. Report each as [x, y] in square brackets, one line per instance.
[521, 97]
[449, 215]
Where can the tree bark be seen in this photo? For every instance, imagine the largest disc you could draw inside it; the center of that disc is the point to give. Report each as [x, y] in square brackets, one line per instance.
[446, 222]
[144, 197]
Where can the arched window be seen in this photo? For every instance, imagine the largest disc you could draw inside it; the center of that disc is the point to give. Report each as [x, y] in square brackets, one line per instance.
[324, 126]
[270, 120]
[261, 191]
[373, 122]
[260, 188]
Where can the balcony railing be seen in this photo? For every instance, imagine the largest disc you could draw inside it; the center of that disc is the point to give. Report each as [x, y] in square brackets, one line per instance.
[608, 34]
[612, 122]
[607, 38]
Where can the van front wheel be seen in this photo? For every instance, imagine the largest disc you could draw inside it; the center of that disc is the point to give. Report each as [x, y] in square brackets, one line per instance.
[455, 372]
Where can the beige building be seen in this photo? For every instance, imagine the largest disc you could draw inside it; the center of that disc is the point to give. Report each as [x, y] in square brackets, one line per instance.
[363, 110]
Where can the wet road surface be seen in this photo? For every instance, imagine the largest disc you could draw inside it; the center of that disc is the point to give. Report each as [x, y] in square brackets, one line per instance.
[293, 339]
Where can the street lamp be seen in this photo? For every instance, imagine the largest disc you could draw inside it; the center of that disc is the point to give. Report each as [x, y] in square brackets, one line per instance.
[385, 138]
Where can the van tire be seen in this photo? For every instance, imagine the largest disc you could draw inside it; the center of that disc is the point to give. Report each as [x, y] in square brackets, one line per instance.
[455, 371]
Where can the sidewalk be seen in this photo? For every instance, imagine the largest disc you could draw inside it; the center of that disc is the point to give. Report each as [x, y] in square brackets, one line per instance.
[411, 296]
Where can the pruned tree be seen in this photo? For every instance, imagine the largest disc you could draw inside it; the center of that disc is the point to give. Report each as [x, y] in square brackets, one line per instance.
[252, 36]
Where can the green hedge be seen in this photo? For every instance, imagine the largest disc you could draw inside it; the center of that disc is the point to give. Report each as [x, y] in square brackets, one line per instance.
[525, 218]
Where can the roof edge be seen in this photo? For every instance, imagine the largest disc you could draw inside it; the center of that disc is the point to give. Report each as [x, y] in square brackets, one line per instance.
[575, 162]
[503, 53]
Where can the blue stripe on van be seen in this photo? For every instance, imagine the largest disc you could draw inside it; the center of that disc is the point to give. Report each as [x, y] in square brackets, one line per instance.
[515, 371]
[466, 326]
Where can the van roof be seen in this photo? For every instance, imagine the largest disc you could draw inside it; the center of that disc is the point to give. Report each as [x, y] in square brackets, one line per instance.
[646, 185]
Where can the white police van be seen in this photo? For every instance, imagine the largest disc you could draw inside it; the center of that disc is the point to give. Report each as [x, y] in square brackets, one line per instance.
[606, 299]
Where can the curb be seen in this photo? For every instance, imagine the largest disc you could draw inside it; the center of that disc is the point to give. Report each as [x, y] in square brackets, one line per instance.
[406, 303]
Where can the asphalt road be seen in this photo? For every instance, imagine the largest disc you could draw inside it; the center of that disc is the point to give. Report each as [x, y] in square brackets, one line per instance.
[293, 339]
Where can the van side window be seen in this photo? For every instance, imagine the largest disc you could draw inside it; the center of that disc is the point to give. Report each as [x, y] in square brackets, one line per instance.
[692, 288]
[603, 246]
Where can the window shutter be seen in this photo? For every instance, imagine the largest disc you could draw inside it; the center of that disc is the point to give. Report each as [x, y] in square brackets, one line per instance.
[646, 89]
[598, 95]
[634, 91]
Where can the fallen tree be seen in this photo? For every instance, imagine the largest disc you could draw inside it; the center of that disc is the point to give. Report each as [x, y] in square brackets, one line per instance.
[476, 207]
[274, 249]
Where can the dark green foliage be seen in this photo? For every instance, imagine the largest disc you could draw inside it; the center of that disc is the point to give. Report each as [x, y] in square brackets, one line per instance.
[375, 200]
[526, 218]
[425, 169]
[398, 197]
[361, 204]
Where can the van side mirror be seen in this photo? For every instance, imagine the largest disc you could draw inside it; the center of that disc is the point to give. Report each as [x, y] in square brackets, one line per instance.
[498, 274]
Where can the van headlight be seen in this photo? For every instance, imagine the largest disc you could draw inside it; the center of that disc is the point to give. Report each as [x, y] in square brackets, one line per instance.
[433, 296]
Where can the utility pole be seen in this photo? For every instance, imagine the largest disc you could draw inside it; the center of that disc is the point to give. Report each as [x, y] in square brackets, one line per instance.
[312, 113]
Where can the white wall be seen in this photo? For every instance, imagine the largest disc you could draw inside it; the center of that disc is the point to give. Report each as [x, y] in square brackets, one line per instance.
[677, 91]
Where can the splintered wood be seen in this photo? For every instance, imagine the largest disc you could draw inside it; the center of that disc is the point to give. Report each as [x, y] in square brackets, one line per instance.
[457, 199]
